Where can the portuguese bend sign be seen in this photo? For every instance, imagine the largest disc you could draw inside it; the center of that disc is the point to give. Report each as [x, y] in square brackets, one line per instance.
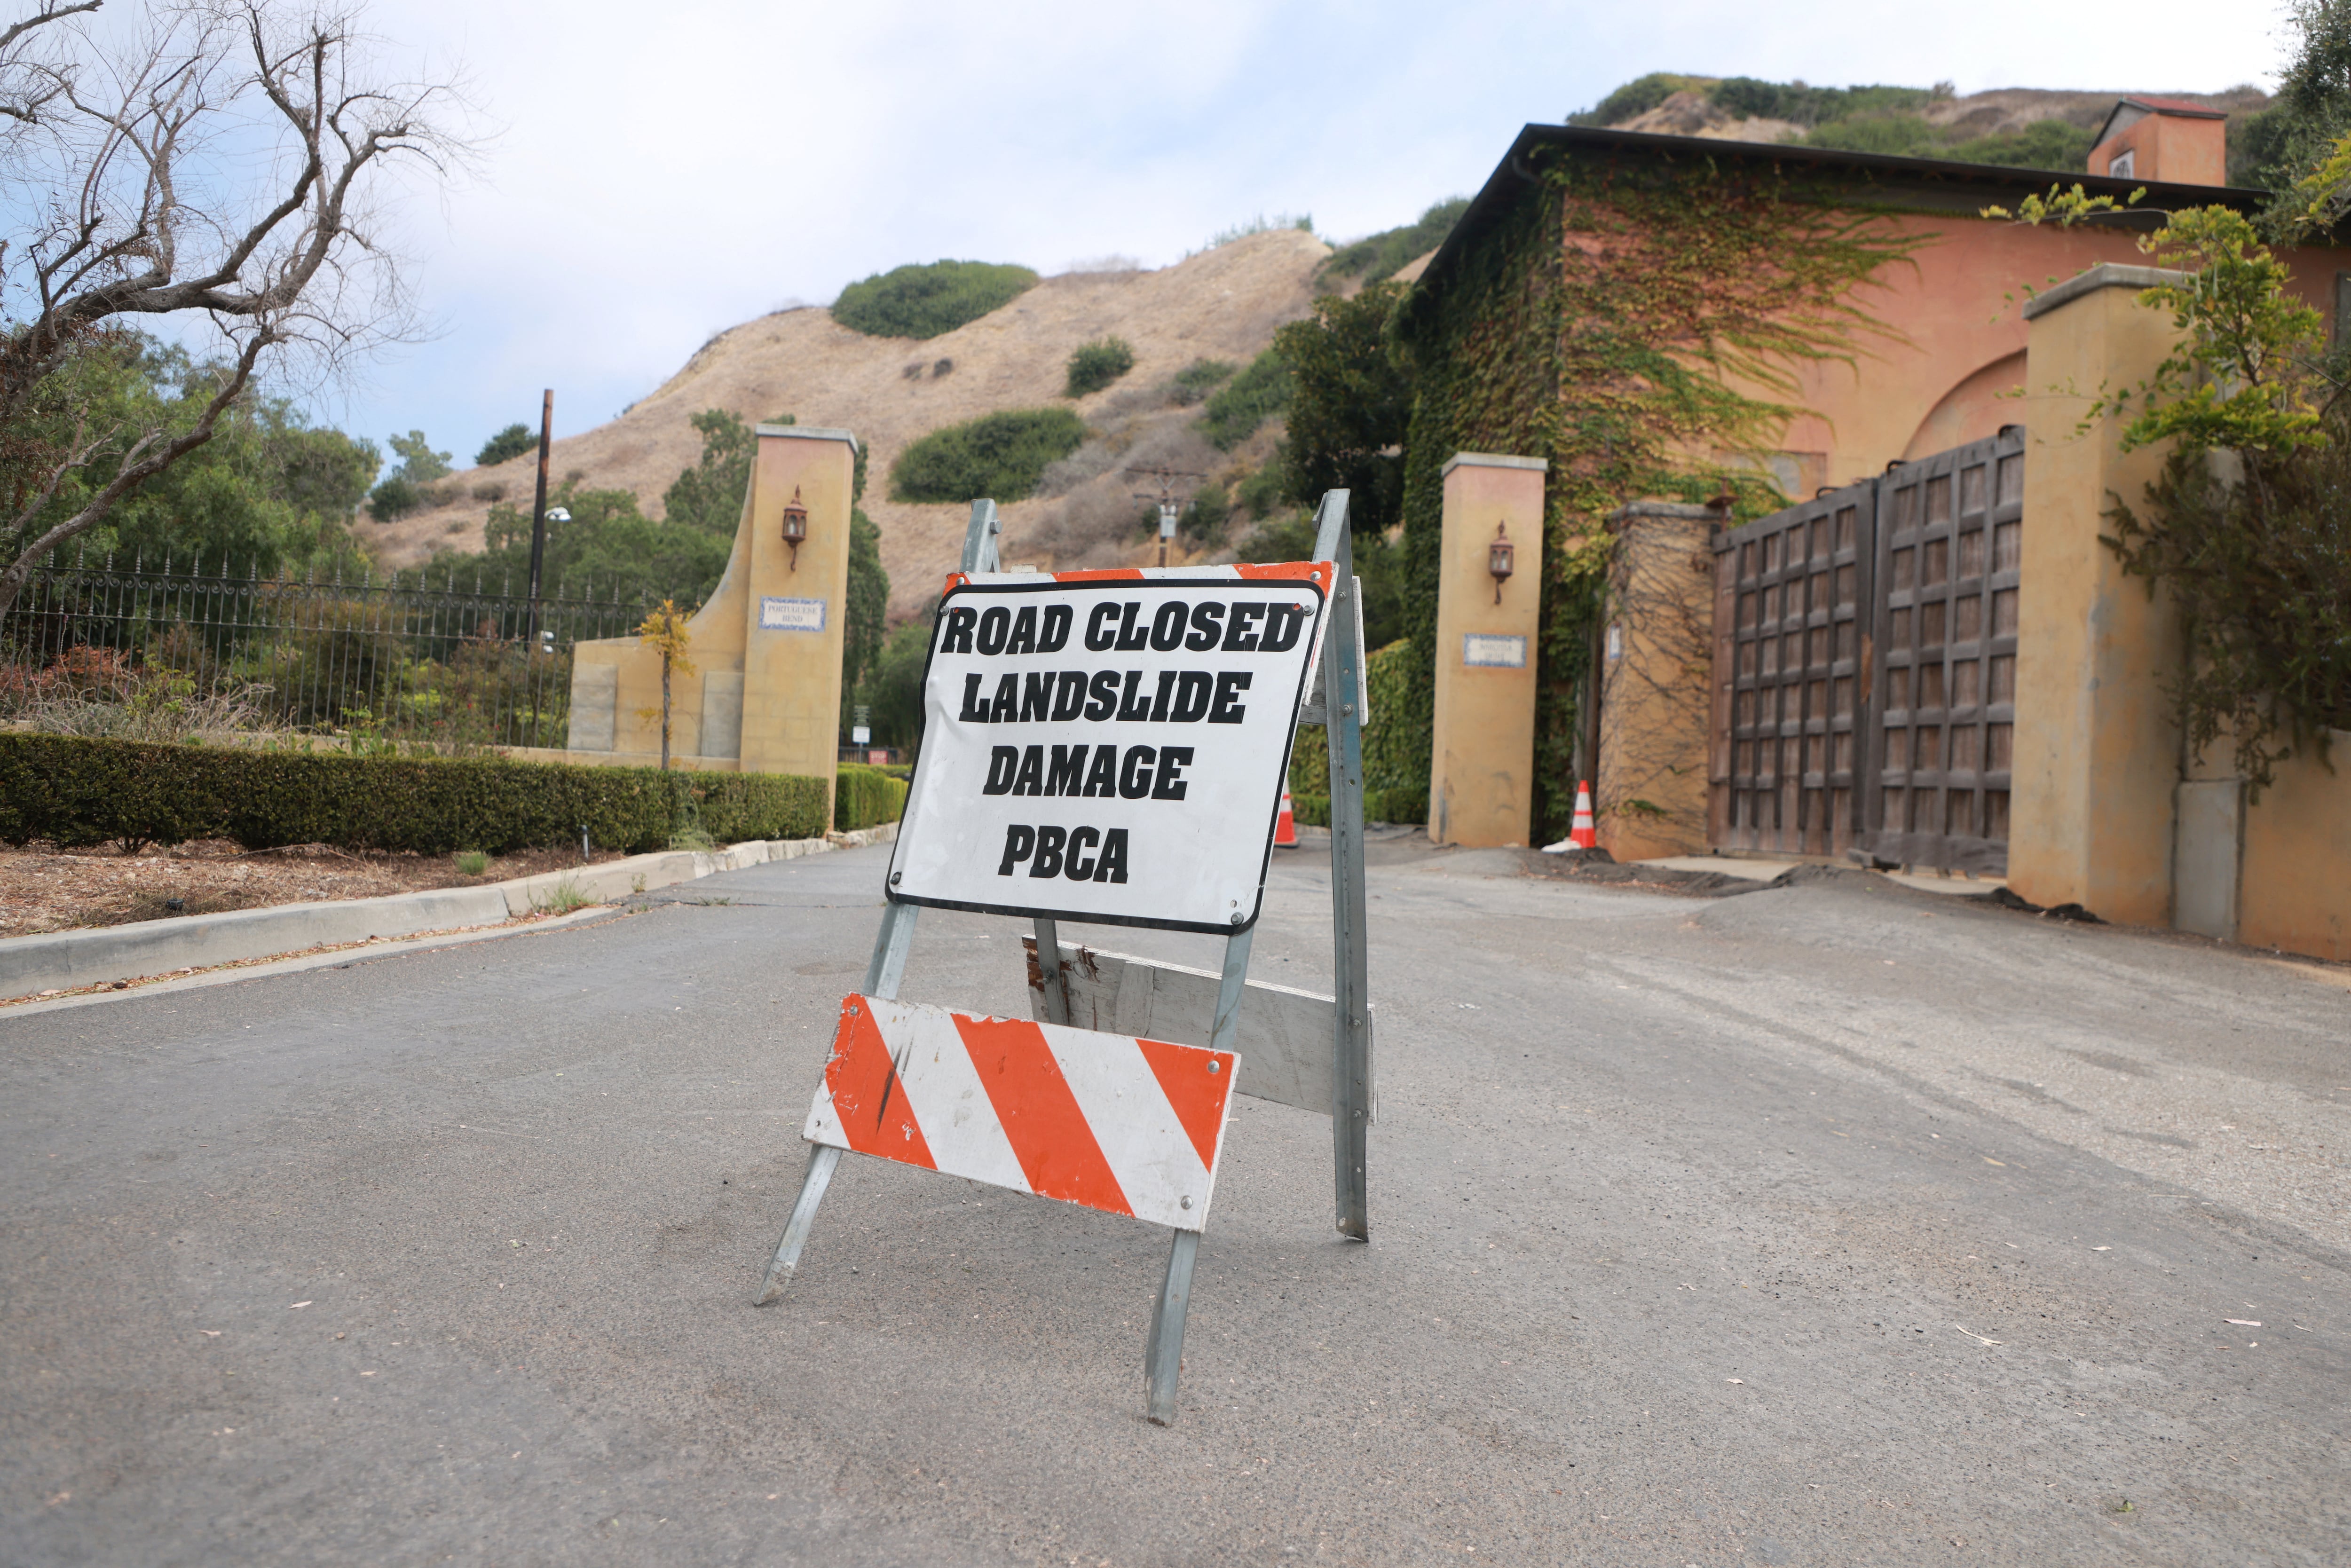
[1108, 748]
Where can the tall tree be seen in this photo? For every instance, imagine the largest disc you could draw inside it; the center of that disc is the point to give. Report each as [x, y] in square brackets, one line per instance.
[1350, 405]
[127, 213]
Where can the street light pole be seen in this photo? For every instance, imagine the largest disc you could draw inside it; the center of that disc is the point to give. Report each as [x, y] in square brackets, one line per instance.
[538, 509]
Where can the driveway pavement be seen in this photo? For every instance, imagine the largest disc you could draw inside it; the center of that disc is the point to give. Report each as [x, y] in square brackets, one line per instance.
[1831, 1224]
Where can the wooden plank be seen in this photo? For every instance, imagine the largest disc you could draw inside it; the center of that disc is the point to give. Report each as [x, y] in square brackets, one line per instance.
[1286, 1035]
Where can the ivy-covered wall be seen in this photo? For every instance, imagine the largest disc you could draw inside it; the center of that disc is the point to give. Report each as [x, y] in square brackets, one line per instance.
[1637, 321]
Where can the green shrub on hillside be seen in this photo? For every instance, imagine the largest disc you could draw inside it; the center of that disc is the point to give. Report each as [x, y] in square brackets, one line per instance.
[998, 455]
[75, 790]
[1804, 104]
[1902, 135]
[2043, 144]
[1196, 380]
[1376, 257]
[512, 441]
[923, 301]
[1248, 401]
[1638, 96]
[1097, 364]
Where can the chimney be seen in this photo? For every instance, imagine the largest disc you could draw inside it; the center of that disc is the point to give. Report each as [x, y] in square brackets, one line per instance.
[2166, 140]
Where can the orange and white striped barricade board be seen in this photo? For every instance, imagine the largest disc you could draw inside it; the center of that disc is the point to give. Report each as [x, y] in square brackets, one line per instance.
[1109, 746]
[1127, 1125]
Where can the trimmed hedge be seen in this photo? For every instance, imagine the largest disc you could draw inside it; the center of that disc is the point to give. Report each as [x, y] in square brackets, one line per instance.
[1379, 806]
[77, 790]
[866, 796]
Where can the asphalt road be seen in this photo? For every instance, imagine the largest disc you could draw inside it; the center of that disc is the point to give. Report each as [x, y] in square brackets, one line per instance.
[1839, 1224]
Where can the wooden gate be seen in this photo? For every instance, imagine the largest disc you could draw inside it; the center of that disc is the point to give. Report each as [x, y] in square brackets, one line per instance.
[1942, 703]
[1792, 621]
[1865, 667]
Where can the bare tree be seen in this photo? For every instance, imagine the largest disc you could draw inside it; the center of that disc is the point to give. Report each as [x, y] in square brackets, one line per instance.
[219, 169]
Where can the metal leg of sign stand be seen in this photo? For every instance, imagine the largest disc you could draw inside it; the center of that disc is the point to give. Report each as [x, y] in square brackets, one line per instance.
[1350, 1078]
[1163, 1360]
[1049, 967]
[1163, 1354]
[883, 974]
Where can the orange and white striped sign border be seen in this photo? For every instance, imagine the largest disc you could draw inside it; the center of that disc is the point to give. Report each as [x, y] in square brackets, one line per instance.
[1321, 573]
[1125, 1125]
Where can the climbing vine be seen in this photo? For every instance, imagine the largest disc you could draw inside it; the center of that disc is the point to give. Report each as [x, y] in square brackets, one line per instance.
[1641, 323]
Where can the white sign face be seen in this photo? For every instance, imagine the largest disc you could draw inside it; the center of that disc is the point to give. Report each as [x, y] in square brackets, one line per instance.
[1490, 651]
[1109, 747]
[791, 614]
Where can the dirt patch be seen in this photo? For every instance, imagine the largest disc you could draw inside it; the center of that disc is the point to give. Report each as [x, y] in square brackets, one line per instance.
[43, 888]
[1597, 868]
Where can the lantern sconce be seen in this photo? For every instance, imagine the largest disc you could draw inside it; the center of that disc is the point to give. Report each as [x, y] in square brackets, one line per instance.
[1500, 556]
[795, 524]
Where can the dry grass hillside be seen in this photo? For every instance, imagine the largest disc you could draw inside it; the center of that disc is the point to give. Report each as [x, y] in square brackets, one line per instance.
[1223, 304]
[1966, 114]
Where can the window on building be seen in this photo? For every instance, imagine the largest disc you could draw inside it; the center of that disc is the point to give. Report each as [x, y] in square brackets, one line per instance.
[2121, 164]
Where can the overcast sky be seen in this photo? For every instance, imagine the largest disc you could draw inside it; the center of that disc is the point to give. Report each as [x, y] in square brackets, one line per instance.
[658, 173]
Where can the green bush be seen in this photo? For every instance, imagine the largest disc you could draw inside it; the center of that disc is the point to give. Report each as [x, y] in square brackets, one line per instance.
[1197, 379]
[866, 796]
[1376, 257]
[1395, 745]
[1248, 401]
[1097, 364]
[998, 456]
[1407, 806]
[923, 301]
[512, 441]
[75, 790]
[1902, 135]
[2043, 144]
[393, 500]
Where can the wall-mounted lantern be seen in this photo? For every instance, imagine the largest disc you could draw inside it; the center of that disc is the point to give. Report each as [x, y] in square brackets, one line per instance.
[795, 524]
[1499, 557]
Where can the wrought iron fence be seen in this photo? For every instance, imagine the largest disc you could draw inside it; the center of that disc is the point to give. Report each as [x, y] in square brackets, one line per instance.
[432, 657]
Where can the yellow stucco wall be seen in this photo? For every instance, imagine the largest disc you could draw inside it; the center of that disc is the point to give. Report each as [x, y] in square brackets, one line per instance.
[1481, 763]
[784, 681]
[2296, 891]
[2097, 742]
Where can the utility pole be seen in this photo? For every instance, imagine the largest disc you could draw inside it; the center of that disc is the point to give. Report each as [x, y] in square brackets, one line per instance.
[539, 510]
[1169, 507]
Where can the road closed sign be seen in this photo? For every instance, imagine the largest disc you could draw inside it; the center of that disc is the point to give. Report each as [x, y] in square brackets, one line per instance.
[1109, 747]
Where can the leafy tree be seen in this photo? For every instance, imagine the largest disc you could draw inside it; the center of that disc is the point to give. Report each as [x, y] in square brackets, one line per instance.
[924, 301]
[891, 687]
[666, 631]
[2311, 113]
[268, 490]
[998, 455]
[1097, 364]
[393, 499]
[869, 600]
[1247, 402]
[1377, 256]
[420, 464]
[512, 441]
[1350, 406]
[609, 549]
[709, 495]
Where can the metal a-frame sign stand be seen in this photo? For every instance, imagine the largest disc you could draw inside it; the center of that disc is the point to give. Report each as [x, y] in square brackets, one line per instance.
[1338, 705]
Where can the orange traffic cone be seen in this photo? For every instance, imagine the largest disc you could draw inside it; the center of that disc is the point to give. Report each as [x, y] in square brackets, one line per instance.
[1581, 832]
[1285, 830]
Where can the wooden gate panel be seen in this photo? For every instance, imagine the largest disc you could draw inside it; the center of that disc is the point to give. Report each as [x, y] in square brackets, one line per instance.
[1941, 713]
[1791, 663]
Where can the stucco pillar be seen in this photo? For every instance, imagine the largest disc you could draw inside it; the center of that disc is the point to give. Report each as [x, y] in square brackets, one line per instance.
[792, 616]
[1481, 762]
[1656, 680]
[2097, 743]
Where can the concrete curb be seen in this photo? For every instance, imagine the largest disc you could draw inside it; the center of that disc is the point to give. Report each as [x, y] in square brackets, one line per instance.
[60, 960]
